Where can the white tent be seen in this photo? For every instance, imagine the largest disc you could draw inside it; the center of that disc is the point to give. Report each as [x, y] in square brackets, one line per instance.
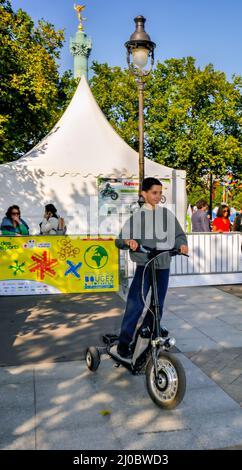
[63, 168]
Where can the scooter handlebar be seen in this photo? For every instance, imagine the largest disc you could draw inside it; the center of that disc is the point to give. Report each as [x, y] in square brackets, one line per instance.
[155, 252]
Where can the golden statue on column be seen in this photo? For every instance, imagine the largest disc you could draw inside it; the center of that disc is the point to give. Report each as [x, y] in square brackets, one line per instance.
[79, 9]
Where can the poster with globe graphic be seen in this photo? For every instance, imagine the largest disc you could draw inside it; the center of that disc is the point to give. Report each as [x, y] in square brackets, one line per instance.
[57, 264]
[96, 257]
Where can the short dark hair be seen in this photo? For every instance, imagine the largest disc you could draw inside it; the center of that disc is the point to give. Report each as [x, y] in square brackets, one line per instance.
[51, 208]
[9, 211]
[221, 209]
[201, 203]
[149, 182]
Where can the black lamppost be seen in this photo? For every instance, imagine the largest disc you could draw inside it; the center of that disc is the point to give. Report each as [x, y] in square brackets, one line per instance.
[211, 195]
[141, 48]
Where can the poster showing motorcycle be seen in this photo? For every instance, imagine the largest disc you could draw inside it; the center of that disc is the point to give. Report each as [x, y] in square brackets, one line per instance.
[117, 200]
[119, 192]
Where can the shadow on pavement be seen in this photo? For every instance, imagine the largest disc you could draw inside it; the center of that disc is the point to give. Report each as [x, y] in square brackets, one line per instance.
[55, 327]
[234, 289]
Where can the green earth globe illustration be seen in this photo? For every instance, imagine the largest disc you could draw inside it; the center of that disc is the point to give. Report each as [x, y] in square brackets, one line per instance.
[96, 256]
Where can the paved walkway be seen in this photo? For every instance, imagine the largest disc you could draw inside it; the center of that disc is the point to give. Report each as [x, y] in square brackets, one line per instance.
[48, 399]
[209, 332]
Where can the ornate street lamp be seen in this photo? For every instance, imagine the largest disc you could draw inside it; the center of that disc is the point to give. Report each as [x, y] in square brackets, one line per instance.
[141, 49]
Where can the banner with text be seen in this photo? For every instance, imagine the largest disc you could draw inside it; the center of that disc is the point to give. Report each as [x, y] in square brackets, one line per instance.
[57, 264]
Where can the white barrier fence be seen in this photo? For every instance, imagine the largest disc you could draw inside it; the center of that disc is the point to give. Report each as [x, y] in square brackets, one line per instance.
[214, 259]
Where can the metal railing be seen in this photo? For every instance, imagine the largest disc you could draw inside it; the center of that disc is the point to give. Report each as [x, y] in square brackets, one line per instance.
[210, 255]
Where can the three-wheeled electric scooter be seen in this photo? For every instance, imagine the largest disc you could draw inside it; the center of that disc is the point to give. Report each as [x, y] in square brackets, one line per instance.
[165, 376]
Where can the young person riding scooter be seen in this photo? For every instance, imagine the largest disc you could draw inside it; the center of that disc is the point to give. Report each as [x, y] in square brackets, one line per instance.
[153, 226]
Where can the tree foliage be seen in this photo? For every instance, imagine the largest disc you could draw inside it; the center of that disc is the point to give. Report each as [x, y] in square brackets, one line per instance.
[32, 93]
[193, 117]
[116, 93]
[234, 199]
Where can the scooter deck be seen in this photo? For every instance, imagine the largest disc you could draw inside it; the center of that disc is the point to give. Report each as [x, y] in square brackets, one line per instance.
[110, 339]
[115, 355]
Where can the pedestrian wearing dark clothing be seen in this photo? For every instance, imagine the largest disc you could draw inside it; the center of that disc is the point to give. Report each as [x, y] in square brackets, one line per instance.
[200, 221]
[237, 225]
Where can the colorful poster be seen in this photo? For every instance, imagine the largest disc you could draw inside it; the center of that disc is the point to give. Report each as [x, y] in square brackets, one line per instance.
[124, 193]
[121, 192]
[57, 264]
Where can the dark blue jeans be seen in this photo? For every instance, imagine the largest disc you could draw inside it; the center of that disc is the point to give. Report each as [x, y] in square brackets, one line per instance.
[135, 304]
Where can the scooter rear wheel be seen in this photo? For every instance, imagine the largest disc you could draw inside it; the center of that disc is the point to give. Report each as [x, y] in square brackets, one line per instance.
[168, 389]
[92, 358]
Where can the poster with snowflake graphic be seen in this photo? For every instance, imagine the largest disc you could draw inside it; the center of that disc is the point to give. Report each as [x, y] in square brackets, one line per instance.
[57, 264]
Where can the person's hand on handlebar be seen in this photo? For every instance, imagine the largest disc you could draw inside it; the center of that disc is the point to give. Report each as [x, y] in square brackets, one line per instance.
[184, 249]
[133, 245]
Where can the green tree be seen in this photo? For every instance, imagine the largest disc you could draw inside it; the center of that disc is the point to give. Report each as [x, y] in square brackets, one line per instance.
[193, 117]
[195, 121]
[116, 93]
[196, 193]
[202, 191]
[32, 93]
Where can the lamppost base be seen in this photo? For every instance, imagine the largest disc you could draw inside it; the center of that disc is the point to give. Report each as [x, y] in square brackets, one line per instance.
[141, 200]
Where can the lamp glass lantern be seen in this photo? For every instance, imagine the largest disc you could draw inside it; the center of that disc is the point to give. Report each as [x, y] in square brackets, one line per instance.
[141, 48]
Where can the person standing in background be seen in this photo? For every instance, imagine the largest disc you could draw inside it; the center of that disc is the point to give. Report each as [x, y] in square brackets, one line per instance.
[237, 225]
[200, 221]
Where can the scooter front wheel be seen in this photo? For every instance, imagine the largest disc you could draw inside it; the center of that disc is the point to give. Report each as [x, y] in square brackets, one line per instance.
[168, 388]
[92, 358]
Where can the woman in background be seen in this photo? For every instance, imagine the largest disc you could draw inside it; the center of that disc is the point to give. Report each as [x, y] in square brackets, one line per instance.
[12, 224]
[221, 223]
[49, 224]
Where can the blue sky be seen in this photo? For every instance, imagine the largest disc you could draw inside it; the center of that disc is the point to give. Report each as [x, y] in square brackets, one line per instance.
[209, 30]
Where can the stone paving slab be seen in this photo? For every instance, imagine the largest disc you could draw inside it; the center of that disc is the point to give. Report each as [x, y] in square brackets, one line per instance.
[235, 289]
[78, 439]
[11, 441]
[219, 331]
[17, 413]
[224, 366]
[232, 319]
[193, 344]
[70, 401]
[216, 309]
[186, 333]
[204, 294]
[16, 375]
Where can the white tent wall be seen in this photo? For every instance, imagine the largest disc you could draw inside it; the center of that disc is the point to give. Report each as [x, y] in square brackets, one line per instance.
[179, 196]
[31, 190]
[63, 168]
